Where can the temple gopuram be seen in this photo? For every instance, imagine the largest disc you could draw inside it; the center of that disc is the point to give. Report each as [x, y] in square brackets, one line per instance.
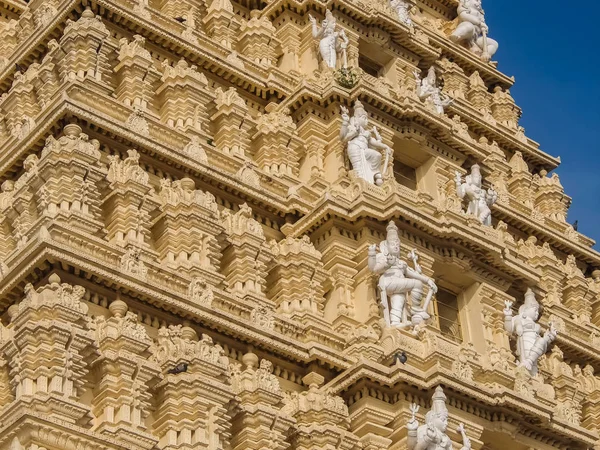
[282, 225]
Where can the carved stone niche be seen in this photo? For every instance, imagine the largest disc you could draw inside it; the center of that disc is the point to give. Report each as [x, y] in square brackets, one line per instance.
[296, 277]
[183, 96]
[188, 230]
[276, 145]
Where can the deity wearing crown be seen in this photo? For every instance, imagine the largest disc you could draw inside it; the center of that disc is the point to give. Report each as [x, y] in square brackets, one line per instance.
[530, 343]
[432, 435]
[398, 280]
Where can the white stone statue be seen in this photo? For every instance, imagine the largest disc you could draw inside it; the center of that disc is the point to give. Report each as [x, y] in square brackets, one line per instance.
[364, 146]
[331, 42]
[472, 30]
[428, 89]
[402, 8]
[432, 435]
[397, 280]
[480, 200]
[530, 343]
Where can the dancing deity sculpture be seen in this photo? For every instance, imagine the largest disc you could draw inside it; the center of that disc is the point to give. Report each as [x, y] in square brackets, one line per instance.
[432, 435]
[397, 280]
[472, 30]
[530, 343]
[427, 88]
[402, 8]
[331, 42]
[480, 200]
[364, 146]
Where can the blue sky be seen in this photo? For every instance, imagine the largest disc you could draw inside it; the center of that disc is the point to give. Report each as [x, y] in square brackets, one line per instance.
[550, 48]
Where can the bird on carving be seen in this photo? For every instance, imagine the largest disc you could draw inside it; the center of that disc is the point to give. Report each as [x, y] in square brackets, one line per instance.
[401, 357]
[576, 225]
[179, 368]
[180, 19]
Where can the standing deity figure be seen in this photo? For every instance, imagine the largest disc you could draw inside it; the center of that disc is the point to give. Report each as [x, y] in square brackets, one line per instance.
[432, 435]
[331, 42]
[364, 146]
[480, 200]
[402, 8]
[397, 280]
[472, 30]
[427, 88]
[530, 343]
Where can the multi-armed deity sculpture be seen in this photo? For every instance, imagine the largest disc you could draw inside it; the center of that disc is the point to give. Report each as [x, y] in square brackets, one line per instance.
[530, 343]
[472, 30]
[428, 89]
[432, 435]
[364, 146]
[397, 280]
[402, 8]
[480, 200]
[331, 42]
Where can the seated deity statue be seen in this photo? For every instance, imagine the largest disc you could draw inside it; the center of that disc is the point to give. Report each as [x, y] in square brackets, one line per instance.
[364, 146]
[432, 435]
[331, 42]
[530, 343]
[398, 280]
[472, 30]
[480, 200]
[428, 90]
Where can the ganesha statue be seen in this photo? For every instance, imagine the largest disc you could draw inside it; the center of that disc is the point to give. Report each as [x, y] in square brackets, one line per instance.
[472, 30]
[398, 280]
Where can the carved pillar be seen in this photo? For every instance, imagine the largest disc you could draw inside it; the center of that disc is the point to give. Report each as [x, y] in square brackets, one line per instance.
[246, 256]
[257, 40]
[504, 109]
[136, 75]
[576, 295]
[259, 422]
[187, 230]
[183, 96]
[455, 81]
[222, 24]
[48, 351]
[330, 412]
[72, 172]
[127, 205]
[276, 143]
[86, 47]
[124, 377]
[232, 123]
[289, 34]
[550, 198]
[192, 399]
[478, 93]
[296, 278]
[519, 183]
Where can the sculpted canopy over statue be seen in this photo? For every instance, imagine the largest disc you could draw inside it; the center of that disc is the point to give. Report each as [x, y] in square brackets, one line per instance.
[428, 89]
[397, 280]
[432, 435]
[480, 200]
[472, 30]
[530, 343]
[331, 42]
[364, 146]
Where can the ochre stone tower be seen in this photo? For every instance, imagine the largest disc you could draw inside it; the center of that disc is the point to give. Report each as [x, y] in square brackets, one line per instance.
[200, 207]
